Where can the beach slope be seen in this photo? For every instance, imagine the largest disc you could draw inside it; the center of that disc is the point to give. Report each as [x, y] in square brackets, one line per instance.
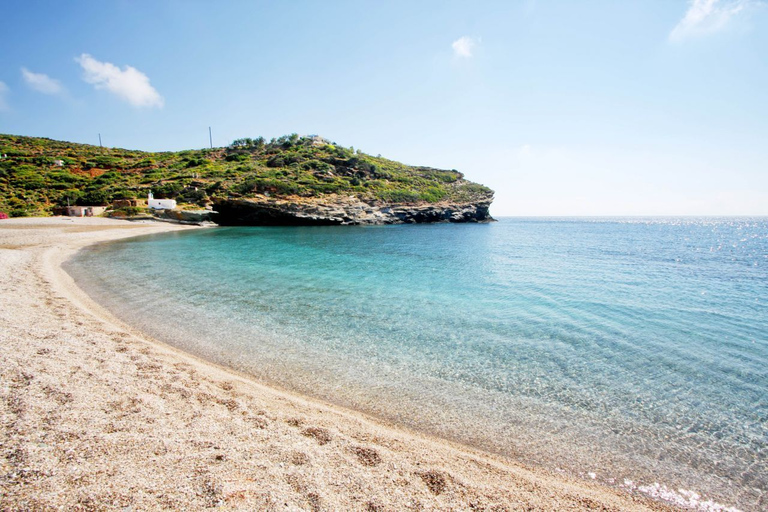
[94, 415]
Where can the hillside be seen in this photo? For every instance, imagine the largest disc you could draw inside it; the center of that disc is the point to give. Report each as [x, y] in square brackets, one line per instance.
[290, 172]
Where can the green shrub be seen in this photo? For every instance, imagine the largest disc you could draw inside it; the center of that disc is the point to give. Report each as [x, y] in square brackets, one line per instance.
[262, 185]
[106, 162]
[316, 165]
[196, 162]
[27, 177]
[108, 178]
[63, 179]
[434, 194]
[399, 196]
[69, 197]
[145, 162]
[237, 157]
[192, 195]
[94, 197]
[123, 193]
[167, 190]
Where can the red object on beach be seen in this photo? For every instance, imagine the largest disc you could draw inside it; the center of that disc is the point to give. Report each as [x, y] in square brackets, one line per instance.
[3, 215]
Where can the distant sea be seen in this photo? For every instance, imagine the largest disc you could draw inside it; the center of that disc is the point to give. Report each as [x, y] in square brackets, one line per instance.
[630, 351]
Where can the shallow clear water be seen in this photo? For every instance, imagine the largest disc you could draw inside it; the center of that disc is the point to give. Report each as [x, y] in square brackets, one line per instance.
[630, 349]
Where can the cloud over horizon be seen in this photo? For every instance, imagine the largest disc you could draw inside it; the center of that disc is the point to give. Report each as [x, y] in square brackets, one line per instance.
[129, 84]
[42, 82]
[463, 46]
[708, 16]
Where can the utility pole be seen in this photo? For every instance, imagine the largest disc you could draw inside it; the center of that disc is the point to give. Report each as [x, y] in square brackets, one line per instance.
[210, 137]
[100, 141]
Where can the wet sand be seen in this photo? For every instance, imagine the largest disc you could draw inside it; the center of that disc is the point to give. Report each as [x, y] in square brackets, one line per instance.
[96, 415]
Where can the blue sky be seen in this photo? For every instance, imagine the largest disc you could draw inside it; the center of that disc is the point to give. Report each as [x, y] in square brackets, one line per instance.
[655, 107]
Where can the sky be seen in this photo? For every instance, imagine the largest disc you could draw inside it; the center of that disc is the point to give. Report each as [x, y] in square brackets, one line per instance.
[653, 107]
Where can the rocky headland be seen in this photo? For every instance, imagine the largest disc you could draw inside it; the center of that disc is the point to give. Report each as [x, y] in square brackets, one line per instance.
[289, 180]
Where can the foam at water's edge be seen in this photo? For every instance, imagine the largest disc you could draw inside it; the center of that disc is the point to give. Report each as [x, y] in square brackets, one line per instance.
[681, 497]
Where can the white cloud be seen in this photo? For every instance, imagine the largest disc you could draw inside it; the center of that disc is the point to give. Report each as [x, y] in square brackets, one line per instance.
[3, 92]
[42, 82]
[708, 16]
[463, 46]
[129, 83]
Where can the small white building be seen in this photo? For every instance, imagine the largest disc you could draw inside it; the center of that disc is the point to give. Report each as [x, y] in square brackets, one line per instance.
[80, 211]
[58, 163]
[317, 140]
[160, 204]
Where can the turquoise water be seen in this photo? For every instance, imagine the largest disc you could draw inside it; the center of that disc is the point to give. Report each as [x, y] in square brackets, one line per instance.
[630, 351]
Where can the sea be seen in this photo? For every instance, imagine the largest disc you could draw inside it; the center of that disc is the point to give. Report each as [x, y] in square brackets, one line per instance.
[628, 351]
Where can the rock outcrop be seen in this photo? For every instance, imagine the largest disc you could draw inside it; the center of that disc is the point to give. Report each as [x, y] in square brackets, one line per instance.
[195, 217]
[343, 210]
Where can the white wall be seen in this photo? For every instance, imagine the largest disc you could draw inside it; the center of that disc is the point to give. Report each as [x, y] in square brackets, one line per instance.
[162, 204]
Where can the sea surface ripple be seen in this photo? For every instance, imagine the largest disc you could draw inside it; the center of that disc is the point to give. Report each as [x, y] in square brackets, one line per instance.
[631, 351]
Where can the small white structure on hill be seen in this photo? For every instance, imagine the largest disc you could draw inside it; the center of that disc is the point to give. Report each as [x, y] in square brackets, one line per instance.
[160, 204]
[317, 140]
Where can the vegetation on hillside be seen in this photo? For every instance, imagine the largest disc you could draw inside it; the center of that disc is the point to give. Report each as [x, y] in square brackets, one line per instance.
[32, 182]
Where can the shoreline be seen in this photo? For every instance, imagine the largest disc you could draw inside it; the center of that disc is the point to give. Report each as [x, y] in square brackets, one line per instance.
[96, 414]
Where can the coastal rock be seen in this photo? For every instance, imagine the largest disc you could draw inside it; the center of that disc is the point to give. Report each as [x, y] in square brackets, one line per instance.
[195, 217]
[343, 210]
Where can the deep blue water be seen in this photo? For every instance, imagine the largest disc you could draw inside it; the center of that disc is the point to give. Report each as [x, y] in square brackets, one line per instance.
[633, 349]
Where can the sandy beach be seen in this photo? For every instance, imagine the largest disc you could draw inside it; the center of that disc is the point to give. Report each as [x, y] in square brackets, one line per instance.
[98, 416]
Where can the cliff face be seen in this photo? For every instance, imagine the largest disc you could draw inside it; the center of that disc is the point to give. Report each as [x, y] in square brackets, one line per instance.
[343, 210]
